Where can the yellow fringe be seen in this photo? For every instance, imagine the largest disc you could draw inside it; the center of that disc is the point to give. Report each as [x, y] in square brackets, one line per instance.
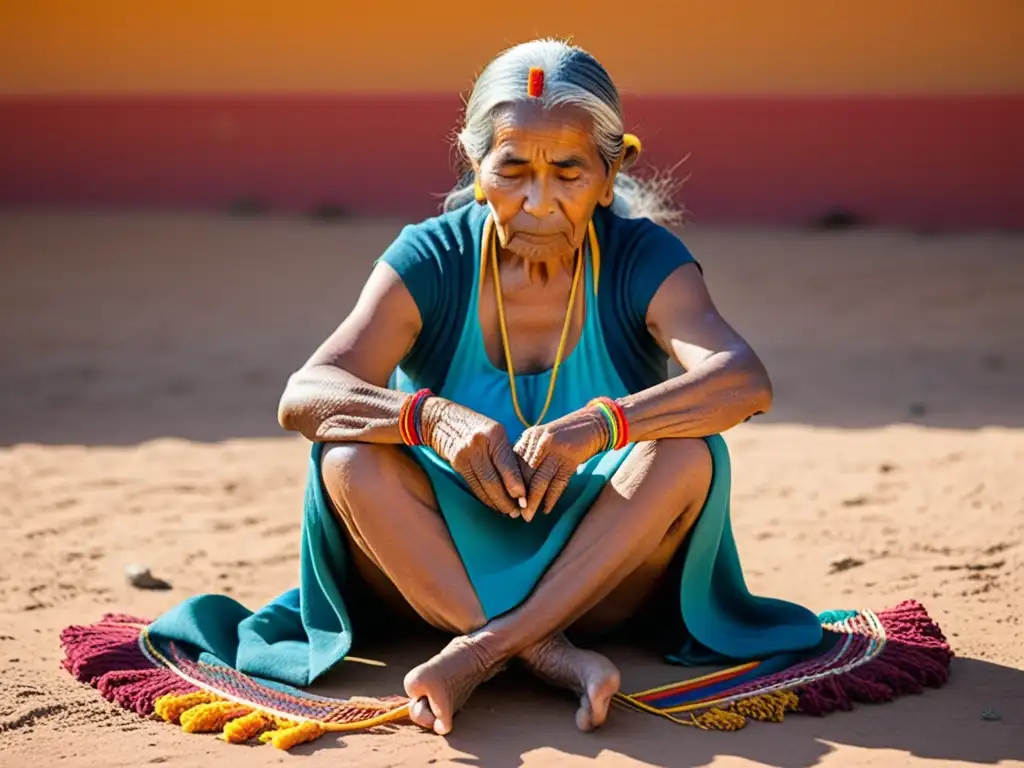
[719, 720]
[208, 718]
[170, 706]
[767, 707]
[203, 712]
[279, 726]
[246, 727]
[286, 738]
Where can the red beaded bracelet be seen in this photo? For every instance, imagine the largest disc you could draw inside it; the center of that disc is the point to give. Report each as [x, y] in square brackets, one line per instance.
[409, 418]
[618, 427]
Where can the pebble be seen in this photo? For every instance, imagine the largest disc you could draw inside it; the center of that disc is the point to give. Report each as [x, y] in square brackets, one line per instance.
[991, 716]
[140, 577]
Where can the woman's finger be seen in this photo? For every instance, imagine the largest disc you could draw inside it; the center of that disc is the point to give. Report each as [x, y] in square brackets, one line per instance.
[558, 485]
[539, 483]
[538, 449]
[492, 486]
[474, 484]
[507, 464]
[525, 471]
[525, 444]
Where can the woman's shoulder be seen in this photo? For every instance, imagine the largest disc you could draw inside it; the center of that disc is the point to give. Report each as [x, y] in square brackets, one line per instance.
[637, 255]
[434, 260]
[626, 240]
[443, 239]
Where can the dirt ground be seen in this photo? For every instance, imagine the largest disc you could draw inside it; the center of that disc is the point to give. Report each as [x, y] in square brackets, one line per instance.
[142, 355]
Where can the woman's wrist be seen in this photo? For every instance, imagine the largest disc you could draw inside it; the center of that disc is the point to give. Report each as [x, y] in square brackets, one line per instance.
[616, 428]
[602, 433]
[433, 426]
[410, 418]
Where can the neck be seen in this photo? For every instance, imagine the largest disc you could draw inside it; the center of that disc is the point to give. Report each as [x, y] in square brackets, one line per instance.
[536, 271]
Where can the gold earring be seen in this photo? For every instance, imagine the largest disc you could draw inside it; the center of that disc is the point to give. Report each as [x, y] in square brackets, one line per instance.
[631, 142]
[478, 192]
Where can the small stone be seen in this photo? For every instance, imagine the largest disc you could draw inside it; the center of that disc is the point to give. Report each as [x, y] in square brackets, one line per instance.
[844, 565]
[139, 576]
[992, 717]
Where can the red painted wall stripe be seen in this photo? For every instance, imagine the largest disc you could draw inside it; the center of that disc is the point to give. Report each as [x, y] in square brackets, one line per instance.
[934, 162]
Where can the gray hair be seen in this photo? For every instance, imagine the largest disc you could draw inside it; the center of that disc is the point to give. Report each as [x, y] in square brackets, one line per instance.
[572, 77]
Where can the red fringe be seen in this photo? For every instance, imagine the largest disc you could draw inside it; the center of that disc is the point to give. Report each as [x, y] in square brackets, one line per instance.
[916, 656]
[107, 656]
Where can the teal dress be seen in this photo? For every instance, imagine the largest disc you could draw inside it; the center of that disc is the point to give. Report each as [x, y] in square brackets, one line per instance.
[301, 635]
[505, 557]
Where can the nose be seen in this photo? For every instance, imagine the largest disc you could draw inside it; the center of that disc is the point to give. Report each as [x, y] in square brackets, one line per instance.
[539, 201]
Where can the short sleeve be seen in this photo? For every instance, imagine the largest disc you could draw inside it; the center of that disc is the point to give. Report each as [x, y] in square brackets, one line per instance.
[652, 255]
[430, 259]
[412, 256]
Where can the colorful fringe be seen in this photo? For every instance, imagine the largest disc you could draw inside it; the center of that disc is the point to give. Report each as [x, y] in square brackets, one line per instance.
[875, 657]
[117, 658]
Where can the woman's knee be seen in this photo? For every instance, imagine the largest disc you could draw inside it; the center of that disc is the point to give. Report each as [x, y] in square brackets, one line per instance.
[342, 464]
[356, 475]
[681, 466]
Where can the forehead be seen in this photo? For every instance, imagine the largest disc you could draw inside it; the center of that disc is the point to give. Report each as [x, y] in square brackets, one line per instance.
[565, 126]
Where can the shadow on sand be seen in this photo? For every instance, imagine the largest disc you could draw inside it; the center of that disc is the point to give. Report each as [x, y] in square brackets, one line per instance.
[514, 717]
[117, 329]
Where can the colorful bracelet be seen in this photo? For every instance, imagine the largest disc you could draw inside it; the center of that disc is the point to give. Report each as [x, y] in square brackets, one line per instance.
[618, 427]
[409, 418]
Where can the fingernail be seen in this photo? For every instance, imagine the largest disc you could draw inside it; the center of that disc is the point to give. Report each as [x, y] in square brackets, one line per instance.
[522, 503]
[514, 514]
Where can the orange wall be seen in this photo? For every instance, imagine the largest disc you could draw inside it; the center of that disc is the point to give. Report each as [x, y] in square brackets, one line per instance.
[671, 46]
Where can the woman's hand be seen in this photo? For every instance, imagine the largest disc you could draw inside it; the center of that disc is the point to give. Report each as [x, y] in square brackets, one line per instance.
[479, 450]
[553, 451]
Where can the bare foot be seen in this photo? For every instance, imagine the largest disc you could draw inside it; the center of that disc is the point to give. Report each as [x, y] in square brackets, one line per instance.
[440, 686]
[586, 673]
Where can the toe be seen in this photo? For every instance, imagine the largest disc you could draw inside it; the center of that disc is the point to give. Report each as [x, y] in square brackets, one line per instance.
[600, 702]
[419, 713]
[600, 697]
[585, 715]
[598, 712]
[442, 715]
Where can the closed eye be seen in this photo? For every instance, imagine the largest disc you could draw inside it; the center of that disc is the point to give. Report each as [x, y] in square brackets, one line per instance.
[572, 162]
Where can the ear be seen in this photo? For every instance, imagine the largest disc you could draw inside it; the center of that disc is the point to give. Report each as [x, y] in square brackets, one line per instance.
[608, 192]
[631, 154]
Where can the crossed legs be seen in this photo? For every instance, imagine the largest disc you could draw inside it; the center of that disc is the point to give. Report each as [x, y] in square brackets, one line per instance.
[607, 571]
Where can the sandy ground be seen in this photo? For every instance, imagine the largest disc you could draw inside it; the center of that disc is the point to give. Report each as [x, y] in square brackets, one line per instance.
[141, 358]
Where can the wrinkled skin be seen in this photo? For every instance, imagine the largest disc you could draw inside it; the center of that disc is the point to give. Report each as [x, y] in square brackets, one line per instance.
[553, 451]
[478, 449]
[542, 178]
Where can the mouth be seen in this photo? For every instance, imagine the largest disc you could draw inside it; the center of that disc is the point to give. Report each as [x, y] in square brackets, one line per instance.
[538, 238]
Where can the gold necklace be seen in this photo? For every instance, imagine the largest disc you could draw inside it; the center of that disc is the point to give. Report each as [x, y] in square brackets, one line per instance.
[504, 330]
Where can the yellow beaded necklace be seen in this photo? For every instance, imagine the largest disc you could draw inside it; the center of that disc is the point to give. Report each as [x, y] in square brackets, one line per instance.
[490, 249]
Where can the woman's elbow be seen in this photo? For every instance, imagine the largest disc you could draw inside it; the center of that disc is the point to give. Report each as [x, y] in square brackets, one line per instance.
[292, 406]
[759, 386]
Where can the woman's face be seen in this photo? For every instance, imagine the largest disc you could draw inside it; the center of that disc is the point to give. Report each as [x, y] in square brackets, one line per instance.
[543, 178]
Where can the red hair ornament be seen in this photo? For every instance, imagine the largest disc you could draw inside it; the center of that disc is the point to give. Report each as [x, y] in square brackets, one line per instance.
[535, 83]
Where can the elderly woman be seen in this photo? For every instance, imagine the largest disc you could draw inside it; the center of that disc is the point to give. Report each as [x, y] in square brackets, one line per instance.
[495, 429]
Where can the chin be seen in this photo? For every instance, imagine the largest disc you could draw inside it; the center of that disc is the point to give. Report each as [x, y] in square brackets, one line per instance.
[533, 251]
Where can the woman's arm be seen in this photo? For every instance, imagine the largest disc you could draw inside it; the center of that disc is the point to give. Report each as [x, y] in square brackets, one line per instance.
[724, 382]
[341, 393]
